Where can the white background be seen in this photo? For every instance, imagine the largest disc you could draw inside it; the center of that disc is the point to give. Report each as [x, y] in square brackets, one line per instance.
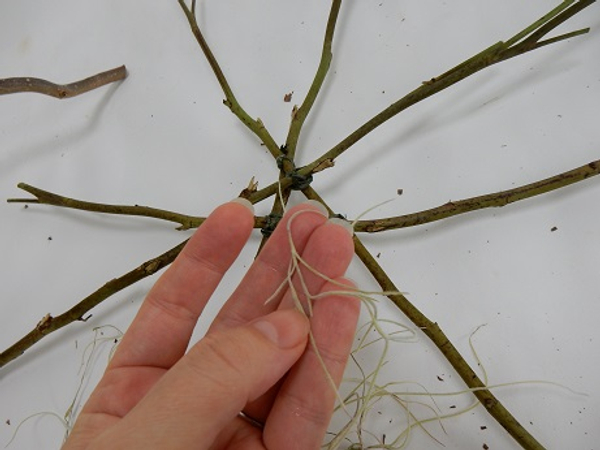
[162, 138]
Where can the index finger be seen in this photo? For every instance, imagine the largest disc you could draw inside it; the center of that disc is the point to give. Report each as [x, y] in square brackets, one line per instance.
[160, 333]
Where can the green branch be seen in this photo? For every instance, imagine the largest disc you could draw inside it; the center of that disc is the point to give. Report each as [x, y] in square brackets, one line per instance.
[299, 115]
[498, 52]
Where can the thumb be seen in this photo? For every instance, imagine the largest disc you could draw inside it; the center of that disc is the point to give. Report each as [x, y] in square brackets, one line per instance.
[213, 382]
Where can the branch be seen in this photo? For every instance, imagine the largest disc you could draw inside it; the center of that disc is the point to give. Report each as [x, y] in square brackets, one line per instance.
[299, 115]
[48, 198]
[256, 126]
[496, 53]
[498, 199]
[48, 324]
[60, 91]
[437, 336]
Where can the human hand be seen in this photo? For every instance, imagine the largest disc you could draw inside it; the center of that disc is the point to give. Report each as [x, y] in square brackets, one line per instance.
[255, 357]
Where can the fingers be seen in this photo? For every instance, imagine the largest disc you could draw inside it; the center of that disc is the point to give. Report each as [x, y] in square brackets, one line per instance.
[328, 251]
[303, 407]
[269, 270]
[327, 255]
[205, 390]
[160, 333]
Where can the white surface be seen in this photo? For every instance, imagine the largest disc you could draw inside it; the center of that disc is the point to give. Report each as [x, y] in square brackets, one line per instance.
[162, 138]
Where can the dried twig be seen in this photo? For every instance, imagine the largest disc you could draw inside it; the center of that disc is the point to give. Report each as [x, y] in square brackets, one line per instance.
[60, 91]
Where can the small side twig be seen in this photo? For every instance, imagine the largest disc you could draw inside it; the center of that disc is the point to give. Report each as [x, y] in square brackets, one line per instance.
[60, 91]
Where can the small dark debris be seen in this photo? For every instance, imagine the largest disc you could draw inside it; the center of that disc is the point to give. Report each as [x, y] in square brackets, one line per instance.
[25, 206]
[485, 447]
[288, 97]
[440, 378]
[49, 238]
[378, 254]
[483, 427]
[452, 406]
[383, 439]
[7, 422]
[400, 191]
[553, 229]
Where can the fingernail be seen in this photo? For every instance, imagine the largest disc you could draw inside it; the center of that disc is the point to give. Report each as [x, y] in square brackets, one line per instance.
[285, 328]
[245, 202]
[320, 206]
[343, 223]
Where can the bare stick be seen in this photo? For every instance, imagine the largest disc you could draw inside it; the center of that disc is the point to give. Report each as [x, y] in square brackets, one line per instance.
[496, 53]
[48, 324]
[255, 125]
[49, 198]
[60, 91]
[497, 199]
[437, 336]
[299, 115]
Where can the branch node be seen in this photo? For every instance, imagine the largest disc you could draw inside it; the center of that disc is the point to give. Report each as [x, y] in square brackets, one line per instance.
[270, 224]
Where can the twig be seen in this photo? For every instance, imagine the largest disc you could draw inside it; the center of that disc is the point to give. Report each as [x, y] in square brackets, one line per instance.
[48, 198]
[60, 91]
[286, 160]
[48, 324]
[299, 115]
[492, 55]
[437, 336]
[497, 199]
[255, 125]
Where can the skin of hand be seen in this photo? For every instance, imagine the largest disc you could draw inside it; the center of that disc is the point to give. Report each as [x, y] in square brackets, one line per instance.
[256, 358]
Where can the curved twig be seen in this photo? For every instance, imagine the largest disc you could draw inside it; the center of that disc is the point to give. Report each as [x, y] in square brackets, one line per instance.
[60, 91]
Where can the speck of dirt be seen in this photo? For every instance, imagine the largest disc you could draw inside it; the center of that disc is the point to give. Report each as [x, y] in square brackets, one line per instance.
[553, 229]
